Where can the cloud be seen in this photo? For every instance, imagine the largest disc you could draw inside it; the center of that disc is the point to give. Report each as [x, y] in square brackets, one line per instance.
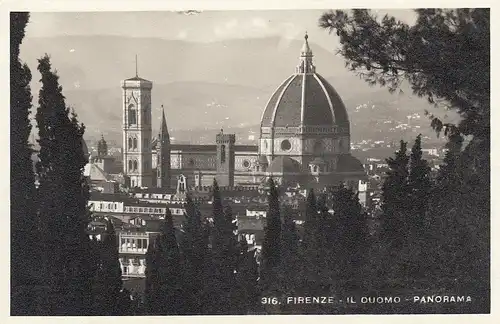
[260, 23]
[182, 34]
[238, 28]
[258, 27]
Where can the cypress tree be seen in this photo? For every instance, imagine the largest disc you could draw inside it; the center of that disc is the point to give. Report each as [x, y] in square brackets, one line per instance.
[394, 197]
[224, 251]
[327, 239]
[110, 273]
[289, 252]
[271, 247]
[194, 247]
[63, 197]
[351, 234]
[419, 185]
[448, 194]
[24, 223]
[219, 220]
[151, 288]
[311, 226]
[232, 254]
[247, 286]
[169, 271]
[419, 190]
[289, 237]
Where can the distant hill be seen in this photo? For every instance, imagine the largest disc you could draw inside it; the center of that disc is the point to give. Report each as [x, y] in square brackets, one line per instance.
[203, 86]
[97, 62]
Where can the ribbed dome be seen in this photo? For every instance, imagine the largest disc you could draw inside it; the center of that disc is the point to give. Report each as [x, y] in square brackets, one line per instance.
[305, 99]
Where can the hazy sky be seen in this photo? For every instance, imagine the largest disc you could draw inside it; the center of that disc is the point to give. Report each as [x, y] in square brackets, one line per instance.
[206, 26]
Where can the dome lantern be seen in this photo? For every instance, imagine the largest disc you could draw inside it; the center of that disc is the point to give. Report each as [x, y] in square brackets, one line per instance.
[305, 61]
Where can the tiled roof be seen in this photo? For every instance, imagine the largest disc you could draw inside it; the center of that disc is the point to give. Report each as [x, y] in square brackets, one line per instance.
[283, 164]
[206, 148]
[136, 78]
[115, 197]
[348, 163]
[95, 173]
[153, 190]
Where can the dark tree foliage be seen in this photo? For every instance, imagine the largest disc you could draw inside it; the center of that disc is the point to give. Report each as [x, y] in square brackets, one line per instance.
[108, 285]
[219, 220]
[419, 184]
[445, 56]
[394, 197]
[350, 237]
[289, 236]
[24, 224]
[449, 171]
[458, 219]
[165, 290]
[315, 249]
[247, 297]
[63, 212]
[271, 247]
[312, 224]
[152, 289]
[194, 249]
[224, 251]
[290, 261]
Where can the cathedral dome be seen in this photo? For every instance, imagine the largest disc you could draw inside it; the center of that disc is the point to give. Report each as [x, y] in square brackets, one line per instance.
[305, 99]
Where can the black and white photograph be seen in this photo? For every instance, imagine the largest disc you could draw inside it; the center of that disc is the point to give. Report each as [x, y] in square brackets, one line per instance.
[249, 162]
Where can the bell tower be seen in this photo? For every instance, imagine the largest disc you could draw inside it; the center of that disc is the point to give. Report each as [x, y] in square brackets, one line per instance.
[163, 155]
[225, 159]
[136, 101]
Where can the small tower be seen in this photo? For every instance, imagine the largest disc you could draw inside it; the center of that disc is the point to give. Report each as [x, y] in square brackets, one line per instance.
[225, 159]
[103, 160]
[102, 148]
[182, 187]
[163, 155]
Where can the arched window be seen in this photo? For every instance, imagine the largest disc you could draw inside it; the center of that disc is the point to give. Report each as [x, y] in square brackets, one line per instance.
[130, 143]
[318, 147]
[135, 165]
[223, 154]
[132, 115]
[130, 166]
[135, 143]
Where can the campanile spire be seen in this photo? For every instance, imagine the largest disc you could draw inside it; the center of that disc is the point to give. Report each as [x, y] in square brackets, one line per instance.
[136, 72]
